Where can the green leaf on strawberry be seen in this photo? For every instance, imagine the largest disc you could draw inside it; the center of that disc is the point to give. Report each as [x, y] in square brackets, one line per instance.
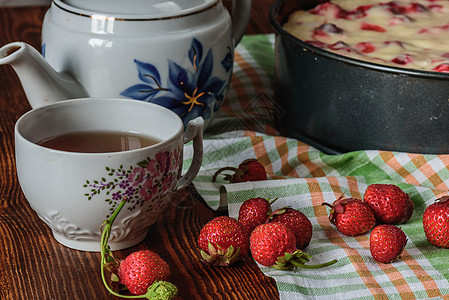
[223, 241]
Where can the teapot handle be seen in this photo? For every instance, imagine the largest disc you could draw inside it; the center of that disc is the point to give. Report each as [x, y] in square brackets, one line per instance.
[241, 11]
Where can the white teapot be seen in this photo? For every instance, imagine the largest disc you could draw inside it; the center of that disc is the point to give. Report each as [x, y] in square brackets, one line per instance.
[176, 53]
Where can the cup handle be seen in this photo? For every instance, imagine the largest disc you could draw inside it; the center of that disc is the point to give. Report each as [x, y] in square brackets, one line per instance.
[240, 15]
[193, 132]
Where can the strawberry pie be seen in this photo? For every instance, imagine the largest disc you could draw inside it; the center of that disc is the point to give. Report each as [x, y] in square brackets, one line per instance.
[408, 34]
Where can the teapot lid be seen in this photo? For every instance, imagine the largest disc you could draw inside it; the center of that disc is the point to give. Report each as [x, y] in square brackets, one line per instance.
[135, 8]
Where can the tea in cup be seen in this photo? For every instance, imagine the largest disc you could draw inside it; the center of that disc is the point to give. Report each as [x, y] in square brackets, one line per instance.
[77, 159]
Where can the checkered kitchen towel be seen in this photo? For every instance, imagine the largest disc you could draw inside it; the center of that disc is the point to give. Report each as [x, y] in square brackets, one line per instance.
[303, 177]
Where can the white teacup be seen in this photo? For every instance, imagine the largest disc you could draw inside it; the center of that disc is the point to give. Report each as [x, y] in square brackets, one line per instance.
[73, 192]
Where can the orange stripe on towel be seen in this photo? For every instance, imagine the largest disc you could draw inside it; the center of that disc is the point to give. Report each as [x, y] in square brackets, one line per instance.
[426, 280]
[304, 159]
[390, 160]
[336, 238]
[261, 151]
[283, 151]
[426, 169]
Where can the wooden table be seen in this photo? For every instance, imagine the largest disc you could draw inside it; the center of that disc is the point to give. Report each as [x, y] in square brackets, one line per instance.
[34, 266]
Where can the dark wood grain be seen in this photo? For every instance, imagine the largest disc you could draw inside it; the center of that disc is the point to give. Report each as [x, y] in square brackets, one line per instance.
[34, 266]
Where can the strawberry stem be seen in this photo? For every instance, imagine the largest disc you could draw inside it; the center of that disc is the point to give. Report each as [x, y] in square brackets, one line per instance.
[105, 250]
[106, 228]
[214, 177]
[327, 204]
[157, 291]
[298, 259]
[271, 201]
[302, 265]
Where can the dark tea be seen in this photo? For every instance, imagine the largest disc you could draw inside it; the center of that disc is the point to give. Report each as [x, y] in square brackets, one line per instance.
[98, 141]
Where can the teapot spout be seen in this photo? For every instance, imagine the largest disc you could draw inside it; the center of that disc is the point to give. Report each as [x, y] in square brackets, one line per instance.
[41, 83]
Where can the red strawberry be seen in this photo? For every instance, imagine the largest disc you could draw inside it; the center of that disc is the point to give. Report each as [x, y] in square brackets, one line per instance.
[296, 221]
[223, 241]
[390, 204]
[436, 222]
[365, 47]
[351, 216]
[402, 59]
[387, 242]
[248, 170]
[444, 68]
[255, 211]
[372, 27]
[274, 245]
[140, 269]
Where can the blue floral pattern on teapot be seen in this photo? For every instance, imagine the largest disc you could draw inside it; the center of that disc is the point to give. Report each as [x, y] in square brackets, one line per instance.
[189, 92]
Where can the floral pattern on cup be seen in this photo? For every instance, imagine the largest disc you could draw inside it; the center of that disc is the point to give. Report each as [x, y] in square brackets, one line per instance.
[148, 181]
[189, 92]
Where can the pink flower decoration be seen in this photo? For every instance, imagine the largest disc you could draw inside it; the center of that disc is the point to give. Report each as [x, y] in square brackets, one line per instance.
[153, 168]
[137, 176]
[163, 160]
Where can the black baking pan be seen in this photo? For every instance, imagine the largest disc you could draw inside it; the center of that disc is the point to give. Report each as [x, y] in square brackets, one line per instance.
[339, 104]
